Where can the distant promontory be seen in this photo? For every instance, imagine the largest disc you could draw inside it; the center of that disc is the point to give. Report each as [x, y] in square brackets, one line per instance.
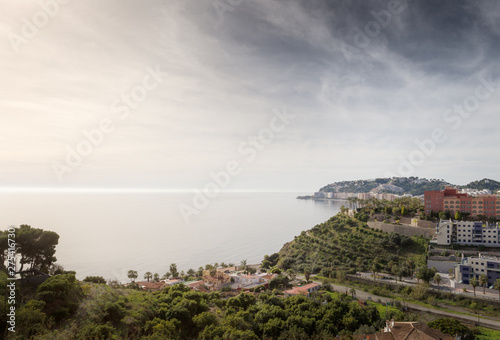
[389, 188]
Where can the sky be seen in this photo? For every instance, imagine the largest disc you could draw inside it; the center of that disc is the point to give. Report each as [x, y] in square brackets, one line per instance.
[269, 95]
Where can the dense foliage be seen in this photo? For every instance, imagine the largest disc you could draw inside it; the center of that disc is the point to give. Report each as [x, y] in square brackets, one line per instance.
[485, 183]
[346, 245]
[180, 313]
[36, 247]
[453, 327]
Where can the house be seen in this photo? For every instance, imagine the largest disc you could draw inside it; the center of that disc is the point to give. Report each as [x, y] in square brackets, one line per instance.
[150, 286]
[173, 282]
[475, 266]
[406, 331]
[217, 279]
[195, 285]
[305, 290]
[246, 283]
[467, 233]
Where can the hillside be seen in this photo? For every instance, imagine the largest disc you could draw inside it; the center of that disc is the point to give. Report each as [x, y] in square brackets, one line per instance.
[485, 183]
[405, 185]
[346, 244]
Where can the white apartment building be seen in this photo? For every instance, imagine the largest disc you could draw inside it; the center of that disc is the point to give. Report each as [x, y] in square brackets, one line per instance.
[467, 233]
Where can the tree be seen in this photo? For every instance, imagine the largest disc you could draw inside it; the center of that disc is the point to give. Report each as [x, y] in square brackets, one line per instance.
[244, 266]
[36, 247]
[452, 327]
[61, 294]
[31, 320]
[496, 285]
[437, 279]
[156, 277]
[483, 279]
[132, 275]
[199, 272]
[352, 291]
[458, 216]
[307, 273]
[410, 263]
[425, 274]
[95, 279]
[147, 276]
[403, 210]
[401, 272]
[375, 269]
[474, 283]
[173, 270]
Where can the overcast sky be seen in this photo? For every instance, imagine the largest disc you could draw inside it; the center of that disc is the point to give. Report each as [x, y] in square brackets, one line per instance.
[179, 86]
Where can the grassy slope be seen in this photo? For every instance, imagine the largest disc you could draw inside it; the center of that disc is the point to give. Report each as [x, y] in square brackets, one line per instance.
[348, 244]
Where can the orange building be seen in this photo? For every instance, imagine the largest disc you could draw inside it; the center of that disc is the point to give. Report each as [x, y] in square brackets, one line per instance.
[450, 199]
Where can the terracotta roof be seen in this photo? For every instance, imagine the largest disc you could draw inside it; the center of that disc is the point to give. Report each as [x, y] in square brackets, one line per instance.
[150, 285]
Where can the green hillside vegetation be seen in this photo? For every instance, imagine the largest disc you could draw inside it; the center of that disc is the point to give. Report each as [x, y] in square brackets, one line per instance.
[346, 245]
[485, 183]
[408, 185]
[177, 312]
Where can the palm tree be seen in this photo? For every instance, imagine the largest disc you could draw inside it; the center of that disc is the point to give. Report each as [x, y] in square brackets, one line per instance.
[244, 265]
[474, 283]
[156, 277]
[437, 279]
[173, 270]
[483, 279]
[147, 276]
[353, 292]
[375, 268]
[496, 285]
[411, 265]
[307, 273]
[132, 275]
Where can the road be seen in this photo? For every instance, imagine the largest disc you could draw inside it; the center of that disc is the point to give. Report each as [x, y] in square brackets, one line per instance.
[444, 287]
[490, 323]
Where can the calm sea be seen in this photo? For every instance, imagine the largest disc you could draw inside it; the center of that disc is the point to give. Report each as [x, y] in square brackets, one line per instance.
[109, 234]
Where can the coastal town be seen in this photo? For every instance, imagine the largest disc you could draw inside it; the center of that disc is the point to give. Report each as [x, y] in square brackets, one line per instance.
[434, 259]
[231, 280]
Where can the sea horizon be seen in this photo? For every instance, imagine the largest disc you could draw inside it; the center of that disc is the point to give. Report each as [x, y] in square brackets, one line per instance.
[107, 235]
